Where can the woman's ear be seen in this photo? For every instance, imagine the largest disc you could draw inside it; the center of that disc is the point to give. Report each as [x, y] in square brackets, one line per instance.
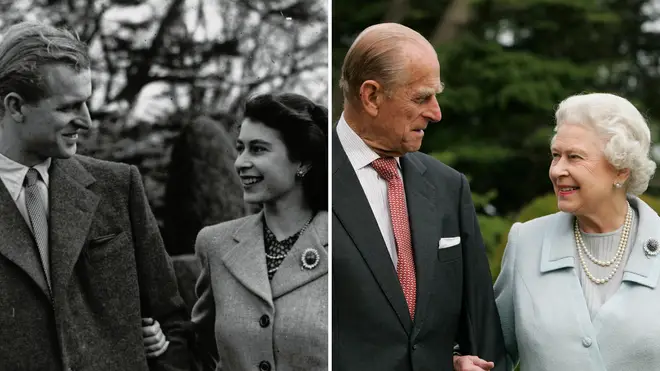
[303, 169]
[622, 176]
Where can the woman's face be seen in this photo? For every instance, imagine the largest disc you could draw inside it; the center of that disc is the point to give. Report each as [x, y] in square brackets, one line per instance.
[581, 176]
[263, 163]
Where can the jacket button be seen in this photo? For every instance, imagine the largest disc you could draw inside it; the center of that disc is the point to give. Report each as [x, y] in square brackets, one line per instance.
[264, 321]
[414, 347]
[264, 366]
[586, 342]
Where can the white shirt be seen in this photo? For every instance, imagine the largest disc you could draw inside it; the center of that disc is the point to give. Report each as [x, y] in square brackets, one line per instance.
[375, 187]
[13, 175]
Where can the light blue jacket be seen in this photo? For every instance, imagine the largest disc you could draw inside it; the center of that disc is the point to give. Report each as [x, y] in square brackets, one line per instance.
[544, 315]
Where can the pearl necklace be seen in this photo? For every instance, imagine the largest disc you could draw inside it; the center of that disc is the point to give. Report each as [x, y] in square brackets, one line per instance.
[615, 261]
[299, 233]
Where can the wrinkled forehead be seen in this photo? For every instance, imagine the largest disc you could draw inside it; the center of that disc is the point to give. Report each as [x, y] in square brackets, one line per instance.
[423, 70]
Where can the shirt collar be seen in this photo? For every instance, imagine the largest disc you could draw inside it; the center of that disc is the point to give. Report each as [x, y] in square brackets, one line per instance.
[359, 153]
[13, 174]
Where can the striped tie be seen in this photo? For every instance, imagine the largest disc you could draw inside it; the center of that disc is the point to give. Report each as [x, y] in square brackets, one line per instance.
[37, 213]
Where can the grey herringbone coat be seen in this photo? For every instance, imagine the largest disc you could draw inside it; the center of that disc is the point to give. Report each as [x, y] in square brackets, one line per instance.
[108, 269]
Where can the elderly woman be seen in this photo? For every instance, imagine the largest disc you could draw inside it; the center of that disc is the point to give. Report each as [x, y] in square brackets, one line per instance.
[578, 289]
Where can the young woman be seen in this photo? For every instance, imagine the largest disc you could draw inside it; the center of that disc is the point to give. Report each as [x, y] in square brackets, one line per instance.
[263, 300]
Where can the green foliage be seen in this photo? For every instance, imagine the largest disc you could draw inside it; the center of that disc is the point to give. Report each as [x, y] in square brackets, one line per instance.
[538, 207]
[500, 95]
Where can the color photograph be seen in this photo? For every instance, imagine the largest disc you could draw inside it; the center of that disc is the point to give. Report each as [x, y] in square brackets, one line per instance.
[494, 204]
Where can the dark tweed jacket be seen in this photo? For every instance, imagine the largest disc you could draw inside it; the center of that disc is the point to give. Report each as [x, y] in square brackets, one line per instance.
[108, 269]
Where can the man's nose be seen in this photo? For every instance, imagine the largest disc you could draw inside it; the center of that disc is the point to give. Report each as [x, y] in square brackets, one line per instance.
[434, 113]
[84, 120]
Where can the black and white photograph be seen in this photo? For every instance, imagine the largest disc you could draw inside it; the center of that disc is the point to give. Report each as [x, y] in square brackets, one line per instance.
[164, 194]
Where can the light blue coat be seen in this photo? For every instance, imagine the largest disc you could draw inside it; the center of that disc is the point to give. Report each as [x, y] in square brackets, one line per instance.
[544, 315]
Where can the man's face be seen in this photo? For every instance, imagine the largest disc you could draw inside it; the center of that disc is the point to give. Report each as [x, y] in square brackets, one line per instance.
[50, 126]
[403, 116]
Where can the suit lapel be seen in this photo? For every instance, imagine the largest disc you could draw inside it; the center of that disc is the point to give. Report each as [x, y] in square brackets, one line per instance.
[72, 207]
[424, 223]
[290, 275]
[17, 242]
[351, 207]
[246, 260]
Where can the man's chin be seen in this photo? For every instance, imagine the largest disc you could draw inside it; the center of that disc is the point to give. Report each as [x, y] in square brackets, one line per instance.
[66, 152]
[412, 147]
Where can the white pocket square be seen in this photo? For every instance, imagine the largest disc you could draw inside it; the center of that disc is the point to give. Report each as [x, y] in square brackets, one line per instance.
[448, 242]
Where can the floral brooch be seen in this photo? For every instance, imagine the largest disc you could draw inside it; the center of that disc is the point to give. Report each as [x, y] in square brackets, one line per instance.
[310, 259]
[651, 247]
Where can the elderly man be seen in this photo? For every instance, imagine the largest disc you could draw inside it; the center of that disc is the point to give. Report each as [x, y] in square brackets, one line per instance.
[81, 258]
[410, 273]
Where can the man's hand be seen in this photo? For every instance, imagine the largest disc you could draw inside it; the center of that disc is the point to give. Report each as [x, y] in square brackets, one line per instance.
[471, 363]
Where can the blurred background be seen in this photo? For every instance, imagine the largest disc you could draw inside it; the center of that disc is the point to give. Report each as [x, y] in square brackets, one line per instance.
[170, 80]
[506, 64]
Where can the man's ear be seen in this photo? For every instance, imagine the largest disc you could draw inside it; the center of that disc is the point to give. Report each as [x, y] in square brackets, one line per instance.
[371, 97]
[13, 104]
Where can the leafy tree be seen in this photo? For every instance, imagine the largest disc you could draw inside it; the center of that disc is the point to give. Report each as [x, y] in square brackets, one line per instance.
[211, 55]
[506, 64]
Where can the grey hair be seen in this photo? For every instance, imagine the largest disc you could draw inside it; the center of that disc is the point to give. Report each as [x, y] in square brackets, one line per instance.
[382, 60]
[623, 128]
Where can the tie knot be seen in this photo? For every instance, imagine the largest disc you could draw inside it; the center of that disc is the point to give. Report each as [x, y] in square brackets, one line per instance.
[386, 167]
[31, 177]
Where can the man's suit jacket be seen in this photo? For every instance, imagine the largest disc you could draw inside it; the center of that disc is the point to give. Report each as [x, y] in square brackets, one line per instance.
[254, 324]
[371, 327]
[108, 269]
[545, 319]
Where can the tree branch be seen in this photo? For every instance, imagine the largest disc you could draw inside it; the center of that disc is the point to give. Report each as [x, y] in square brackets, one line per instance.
[139, 77]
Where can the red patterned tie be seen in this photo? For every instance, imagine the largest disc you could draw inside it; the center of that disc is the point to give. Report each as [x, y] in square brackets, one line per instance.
[387, 169]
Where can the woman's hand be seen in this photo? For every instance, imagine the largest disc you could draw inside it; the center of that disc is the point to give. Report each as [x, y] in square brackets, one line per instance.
[471, 363]
[154, 340]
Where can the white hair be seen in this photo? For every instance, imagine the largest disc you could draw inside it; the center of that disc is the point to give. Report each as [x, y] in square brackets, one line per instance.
[621, 125]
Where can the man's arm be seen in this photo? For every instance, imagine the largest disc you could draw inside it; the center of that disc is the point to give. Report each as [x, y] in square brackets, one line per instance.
[159, 294]
[480, 332]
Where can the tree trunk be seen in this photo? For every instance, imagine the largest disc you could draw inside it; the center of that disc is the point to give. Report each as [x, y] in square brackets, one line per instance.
[456, 16]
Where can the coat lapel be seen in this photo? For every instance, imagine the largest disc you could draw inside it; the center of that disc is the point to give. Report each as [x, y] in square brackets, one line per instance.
[641, 269]
[351, 207]
[246, 260]
[290, 275]
[72, 207]
[17, 243]
[558, 258]
[558, 250]
[424, 222]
